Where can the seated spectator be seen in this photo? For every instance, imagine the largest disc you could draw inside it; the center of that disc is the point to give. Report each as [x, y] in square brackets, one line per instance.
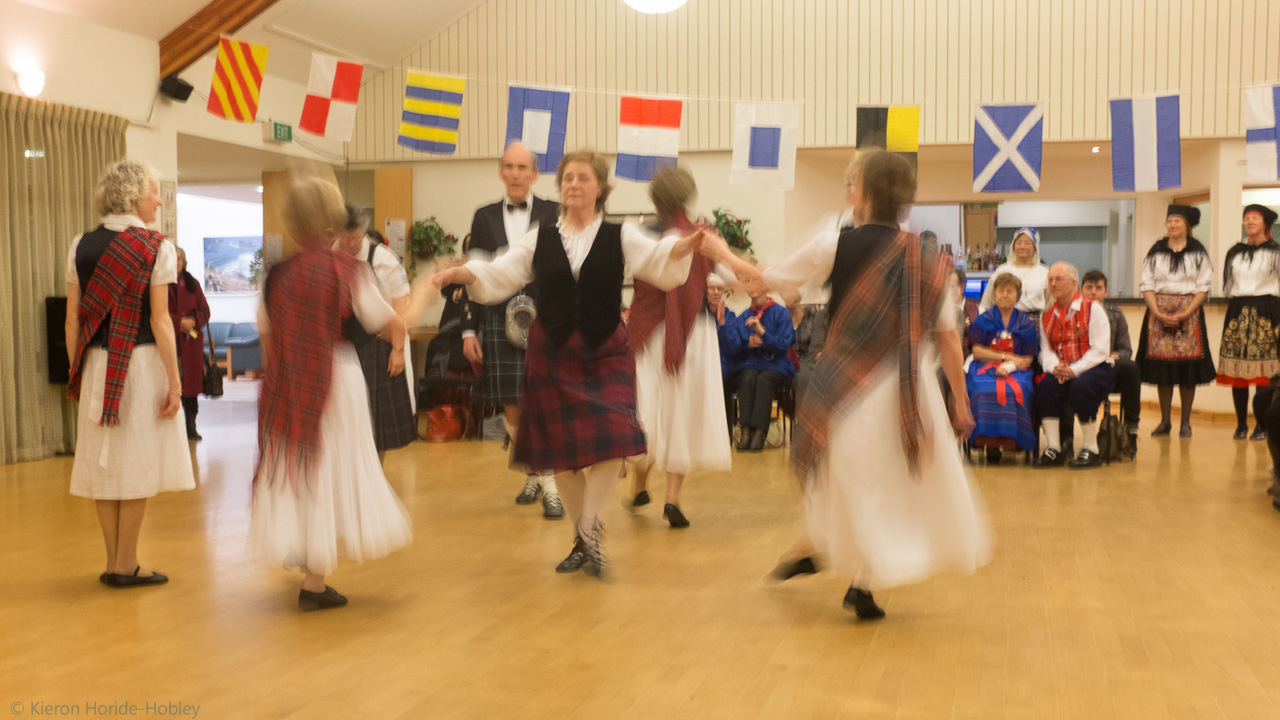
[730, 343]
[810, 323]
[1000, 380]
[966, 310]
[1075, 352]
[1128, 378]
[764, 334]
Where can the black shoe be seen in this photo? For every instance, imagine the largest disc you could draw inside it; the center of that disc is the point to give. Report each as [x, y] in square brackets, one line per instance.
[862, 604]
[103, 578]
[330, 598]
[757, 440]
[117, 580]
[192, 434]
[994, 455]
[597, 565]
[1051, 458]
[1185, 431]
[532, 489]
[788, 569]
[1132, 450]
[577, 558]
[744, 439]
[552, 508]
[1241, 433]
[1259, 433]
[1161, 430]
[641, 499]
[1086, 459]
[673, 515]
[1275, 503]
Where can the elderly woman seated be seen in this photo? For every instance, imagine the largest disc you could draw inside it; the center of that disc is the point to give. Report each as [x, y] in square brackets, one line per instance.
[764, 334]
[1000, 383]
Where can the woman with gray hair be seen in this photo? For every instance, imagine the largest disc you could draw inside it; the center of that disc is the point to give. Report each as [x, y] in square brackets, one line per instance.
[124, 367]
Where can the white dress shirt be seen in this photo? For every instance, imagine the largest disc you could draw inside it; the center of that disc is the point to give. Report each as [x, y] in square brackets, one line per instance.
[1099, 340]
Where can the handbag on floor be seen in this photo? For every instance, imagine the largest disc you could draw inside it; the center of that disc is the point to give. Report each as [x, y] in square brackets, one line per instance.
[1112, 439]
[211, 383]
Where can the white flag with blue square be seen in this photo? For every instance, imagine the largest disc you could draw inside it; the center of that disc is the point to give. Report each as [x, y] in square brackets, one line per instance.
[1007, 144]
[540, 119]
[1262, 132]
[1146, 143]
[764, 145]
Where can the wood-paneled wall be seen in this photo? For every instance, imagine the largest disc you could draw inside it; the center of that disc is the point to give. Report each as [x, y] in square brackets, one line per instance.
[833, 55]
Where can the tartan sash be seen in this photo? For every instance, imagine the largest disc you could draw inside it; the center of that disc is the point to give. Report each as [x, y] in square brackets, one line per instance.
[678, 308]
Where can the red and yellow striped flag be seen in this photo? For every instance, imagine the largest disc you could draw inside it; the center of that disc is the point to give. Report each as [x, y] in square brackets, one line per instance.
[237, 78]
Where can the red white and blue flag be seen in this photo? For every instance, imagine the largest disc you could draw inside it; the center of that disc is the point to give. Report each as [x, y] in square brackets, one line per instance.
[648, 136]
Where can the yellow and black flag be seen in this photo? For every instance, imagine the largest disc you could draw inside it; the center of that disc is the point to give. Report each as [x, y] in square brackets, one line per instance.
[895, 128]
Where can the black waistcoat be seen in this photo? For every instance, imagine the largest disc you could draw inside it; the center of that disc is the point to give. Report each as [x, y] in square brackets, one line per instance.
[856, 247]
[592, 304]
[92, 245]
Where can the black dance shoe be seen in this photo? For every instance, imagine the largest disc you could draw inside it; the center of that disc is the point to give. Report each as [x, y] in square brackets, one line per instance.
[1241, 433]
[1051, 458]
[671, 513]
[757, 440]
[1086, 459]
[116, 580]
[1162, 430]
[640, 500]
[994, 455]
[552, 508]
[862, 604]
[330, 598]
[1132, 450]
[788, 569]
[1259, 433]
[744, 439]
[577, 558]
[1185, 431]
[597, 565]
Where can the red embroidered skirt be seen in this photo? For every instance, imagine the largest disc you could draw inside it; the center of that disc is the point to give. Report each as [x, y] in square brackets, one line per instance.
[579, 405]
[1178, 355]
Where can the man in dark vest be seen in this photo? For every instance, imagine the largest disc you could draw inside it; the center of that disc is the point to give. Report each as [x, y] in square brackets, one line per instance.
[493, 229]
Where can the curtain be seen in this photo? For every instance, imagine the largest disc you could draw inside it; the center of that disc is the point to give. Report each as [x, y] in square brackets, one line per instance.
[51, 157]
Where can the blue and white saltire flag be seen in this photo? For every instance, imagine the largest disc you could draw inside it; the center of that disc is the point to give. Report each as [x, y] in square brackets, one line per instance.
[1007, 143]
[764, 145]
[540, 119]
[1146, 143]
[1262, 132]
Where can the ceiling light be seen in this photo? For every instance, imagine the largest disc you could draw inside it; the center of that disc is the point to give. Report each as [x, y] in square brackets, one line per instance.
[1096, 149]
[654, 6]
[30, 82]
[259, 188]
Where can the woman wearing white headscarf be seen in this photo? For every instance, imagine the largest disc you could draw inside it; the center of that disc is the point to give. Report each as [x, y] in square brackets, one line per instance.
[1025, 264]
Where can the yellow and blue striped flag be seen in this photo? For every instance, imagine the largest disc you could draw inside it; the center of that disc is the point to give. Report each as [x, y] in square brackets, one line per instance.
[432, 107]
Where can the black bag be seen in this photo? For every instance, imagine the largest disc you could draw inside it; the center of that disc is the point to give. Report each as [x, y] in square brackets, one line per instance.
[1112, 439]
[212, 380]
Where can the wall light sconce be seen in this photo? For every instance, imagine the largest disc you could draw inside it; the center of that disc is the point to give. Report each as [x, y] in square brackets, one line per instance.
[651, 7]
[30, 82]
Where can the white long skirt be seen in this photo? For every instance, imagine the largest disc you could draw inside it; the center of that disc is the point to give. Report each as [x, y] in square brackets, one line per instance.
[142, 456]
[683, 414]
[874, 521]
[347, 499]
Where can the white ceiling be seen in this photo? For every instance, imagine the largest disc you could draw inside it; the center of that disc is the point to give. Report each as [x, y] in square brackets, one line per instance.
[377, 32]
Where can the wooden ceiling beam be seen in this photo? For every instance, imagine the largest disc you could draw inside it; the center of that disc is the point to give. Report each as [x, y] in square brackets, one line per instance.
[199, 34]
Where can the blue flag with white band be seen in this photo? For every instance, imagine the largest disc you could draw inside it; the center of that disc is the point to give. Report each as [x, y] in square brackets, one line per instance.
[540, 119]
[1146, 143]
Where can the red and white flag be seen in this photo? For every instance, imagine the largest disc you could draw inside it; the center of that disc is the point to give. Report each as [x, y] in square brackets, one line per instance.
[648, 136]
[330, 107]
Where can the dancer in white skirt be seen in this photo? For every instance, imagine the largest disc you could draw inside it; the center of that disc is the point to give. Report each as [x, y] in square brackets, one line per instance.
[124, 367]
[679, 394]
[318, 483]
[887, 497]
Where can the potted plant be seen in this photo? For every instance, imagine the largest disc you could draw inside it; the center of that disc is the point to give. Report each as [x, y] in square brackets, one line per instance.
[734, 231]
[428, 240]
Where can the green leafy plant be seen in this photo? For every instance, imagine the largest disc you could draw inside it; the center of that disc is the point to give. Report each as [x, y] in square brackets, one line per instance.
[428, 240]
[734, 230]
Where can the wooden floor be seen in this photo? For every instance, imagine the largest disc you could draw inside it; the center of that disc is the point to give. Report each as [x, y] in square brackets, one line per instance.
[1149, 589]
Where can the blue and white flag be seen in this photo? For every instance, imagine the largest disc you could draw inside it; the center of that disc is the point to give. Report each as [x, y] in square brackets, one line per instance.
[1007, 143]
[1146, 143]
[764, 145]
[539, 118]
[1261, 134]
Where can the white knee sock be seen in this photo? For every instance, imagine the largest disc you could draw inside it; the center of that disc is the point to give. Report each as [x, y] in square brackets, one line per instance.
[1090, 430]
[1051, 440]
[600, 481]
[549, 484]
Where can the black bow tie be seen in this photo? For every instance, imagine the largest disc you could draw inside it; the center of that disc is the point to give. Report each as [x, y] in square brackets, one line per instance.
[512, 207]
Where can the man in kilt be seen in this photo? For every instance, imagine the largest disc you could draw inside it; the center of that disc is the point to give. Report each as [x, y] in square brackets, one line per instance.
[384, 363]
[494, 228]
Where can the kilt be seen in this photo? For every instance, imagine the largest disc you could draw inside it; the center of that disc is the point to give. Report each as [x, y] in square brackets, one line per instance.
[503, 374]
[389, 408]
[1177, 356]
[579, 405]
[1248, 353]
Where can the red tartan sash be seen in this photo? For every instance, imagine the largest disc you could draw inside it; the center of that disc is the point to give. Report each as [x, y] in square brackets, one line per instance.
[1068, 336]
[1004, 385]
[677, 308]
[307, 297]
[115, 289]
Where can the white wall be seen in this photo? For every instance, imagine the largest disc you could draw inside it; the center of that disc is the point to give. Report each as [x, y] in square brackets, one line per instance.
[1055, 213]
[201, 217]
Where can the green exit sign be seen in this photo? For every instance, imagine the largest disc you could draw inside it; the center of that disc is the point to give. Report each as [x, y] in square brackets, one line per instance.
[282, 132]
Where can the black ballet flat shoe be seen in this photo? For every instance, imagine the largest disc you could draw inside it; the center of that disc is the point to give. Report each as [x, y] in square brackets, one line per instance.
[118, 580]
[1240, 433]
[744, 440]
[862, 604]
[1051, 458]
[1162, 430]
[641, 499]
[1275, 503]
[576, 559]
[308, 601]
[757, 440]
[788, 569]
[1258, 434]
[1086, 459]
[193, 435]
[103, 578]
[671, 513]
[1185, 430]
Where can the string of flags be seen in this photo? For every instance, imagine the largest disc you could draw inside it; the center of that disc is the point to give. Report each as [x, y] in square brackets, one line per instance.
[1008, 139]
